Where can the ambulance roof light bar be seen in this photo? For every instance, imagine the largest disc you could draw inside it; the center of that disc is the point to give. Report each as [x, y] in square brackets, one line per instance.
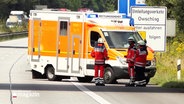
[105, 15]
[116, 18]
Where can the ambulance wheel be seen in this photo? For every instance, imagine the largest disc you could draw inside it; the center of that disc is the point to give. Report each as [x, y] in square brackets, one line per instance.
[109, 76]
[85, 79]
[51, 74]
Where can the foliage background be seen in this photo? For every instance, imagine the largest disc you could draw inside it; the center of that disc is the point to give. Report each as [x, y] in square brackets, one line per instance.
[166, 75]
[97, 5]
[175, 8]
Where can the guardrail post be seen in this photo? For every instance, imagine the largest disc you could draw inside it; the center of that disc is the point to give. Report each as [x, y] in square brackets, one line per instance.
[179, 69]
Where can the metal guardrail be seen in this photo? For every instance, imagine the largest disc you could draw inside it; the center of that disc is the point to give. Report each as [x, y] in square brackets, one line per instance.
[13, 34]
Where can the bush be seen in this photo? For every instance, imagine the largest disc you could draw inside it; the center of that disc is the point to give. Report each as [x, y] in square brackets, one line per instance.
[4, 28]
[166, 75]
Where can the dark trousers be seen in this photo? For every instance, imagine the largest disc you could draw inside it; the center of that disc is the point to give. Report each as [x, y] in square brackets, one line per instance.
[139, 76]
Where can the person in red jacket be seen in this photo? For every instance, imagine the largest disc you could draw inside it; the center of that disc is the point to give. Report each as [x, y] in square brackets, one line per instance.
[130, 60]
[100, 54]
[140, 63]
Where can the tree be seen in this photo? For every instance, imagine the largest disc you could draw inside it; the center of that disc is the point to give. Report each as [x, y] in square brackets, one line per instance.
[179, 14]
[74, 4]
[26, 5]
[168, 3]
[4, 8]
[104, 5]
[109, 5]
[175, 10]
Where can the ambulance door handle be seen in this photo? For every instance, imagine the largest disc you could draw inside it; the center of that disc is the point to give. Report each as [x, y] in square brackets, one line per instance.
[59, 51]
[33, 49]
[73, 52]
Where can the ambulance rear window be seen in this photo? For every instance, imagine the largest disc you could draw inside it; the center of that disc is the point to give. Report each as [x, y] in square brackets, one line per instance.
[94, 36]
[63, 28]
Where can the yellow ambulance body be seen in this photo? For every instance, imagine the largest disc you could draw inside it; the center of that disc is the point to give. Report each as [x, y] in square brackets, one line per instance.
[60, 43]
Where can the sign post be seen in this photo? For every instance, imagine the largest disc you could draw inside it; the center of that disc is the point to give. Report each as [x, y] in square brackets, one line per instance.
[124, 5]
[152, 20]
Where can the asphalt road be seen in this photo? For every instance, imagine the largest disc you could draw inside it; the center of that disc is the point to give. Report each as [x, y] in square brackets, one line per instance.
[18, 87]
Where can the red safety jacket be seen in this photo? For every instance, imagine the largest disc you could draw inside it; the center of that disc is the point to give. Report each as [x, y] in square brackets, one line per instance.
[140, 59]
[131, 55]
[100, 54]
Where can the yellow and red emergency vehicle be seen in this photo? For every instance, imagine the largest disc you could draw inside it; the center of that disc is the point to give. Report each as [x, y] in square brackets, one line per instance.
[60, 42]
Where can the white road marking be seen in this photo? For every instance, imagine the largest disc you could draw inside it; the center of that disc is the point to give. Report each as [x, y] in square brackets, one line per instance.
[96, 97]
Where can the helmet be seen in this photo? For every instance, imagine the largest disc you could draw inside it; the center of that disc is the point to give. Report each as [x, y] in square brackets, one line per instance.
[100, 40]
[141, 42]
[131, 39]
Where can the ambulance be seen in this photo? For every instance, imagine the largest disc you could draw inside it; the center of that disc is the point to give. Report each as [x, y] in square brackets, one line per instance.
[60, 43]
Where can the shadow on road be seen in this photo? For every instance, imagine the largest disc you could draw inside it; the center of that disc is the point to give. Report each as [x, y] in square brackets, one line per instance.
[90, 86]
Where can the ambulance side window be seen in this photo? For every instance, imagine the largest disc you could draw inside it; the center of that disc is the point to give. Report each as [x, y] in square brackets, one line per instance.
[63, 28]
[94, 37]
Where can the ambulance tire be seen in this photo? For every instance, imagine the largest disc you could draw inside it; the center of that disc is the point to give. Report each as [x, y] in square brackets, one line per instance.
[51, 74]
[85, 79]
[109, 76]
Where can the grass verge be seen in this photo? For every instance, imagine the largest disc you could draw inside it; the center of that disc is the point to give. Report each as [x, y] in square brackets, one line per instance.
[4, 29]
[166, 75]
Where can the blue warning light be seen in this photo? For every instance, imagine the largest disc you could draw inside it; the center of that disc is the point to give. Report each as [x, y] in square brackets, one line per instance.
[92, 15]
